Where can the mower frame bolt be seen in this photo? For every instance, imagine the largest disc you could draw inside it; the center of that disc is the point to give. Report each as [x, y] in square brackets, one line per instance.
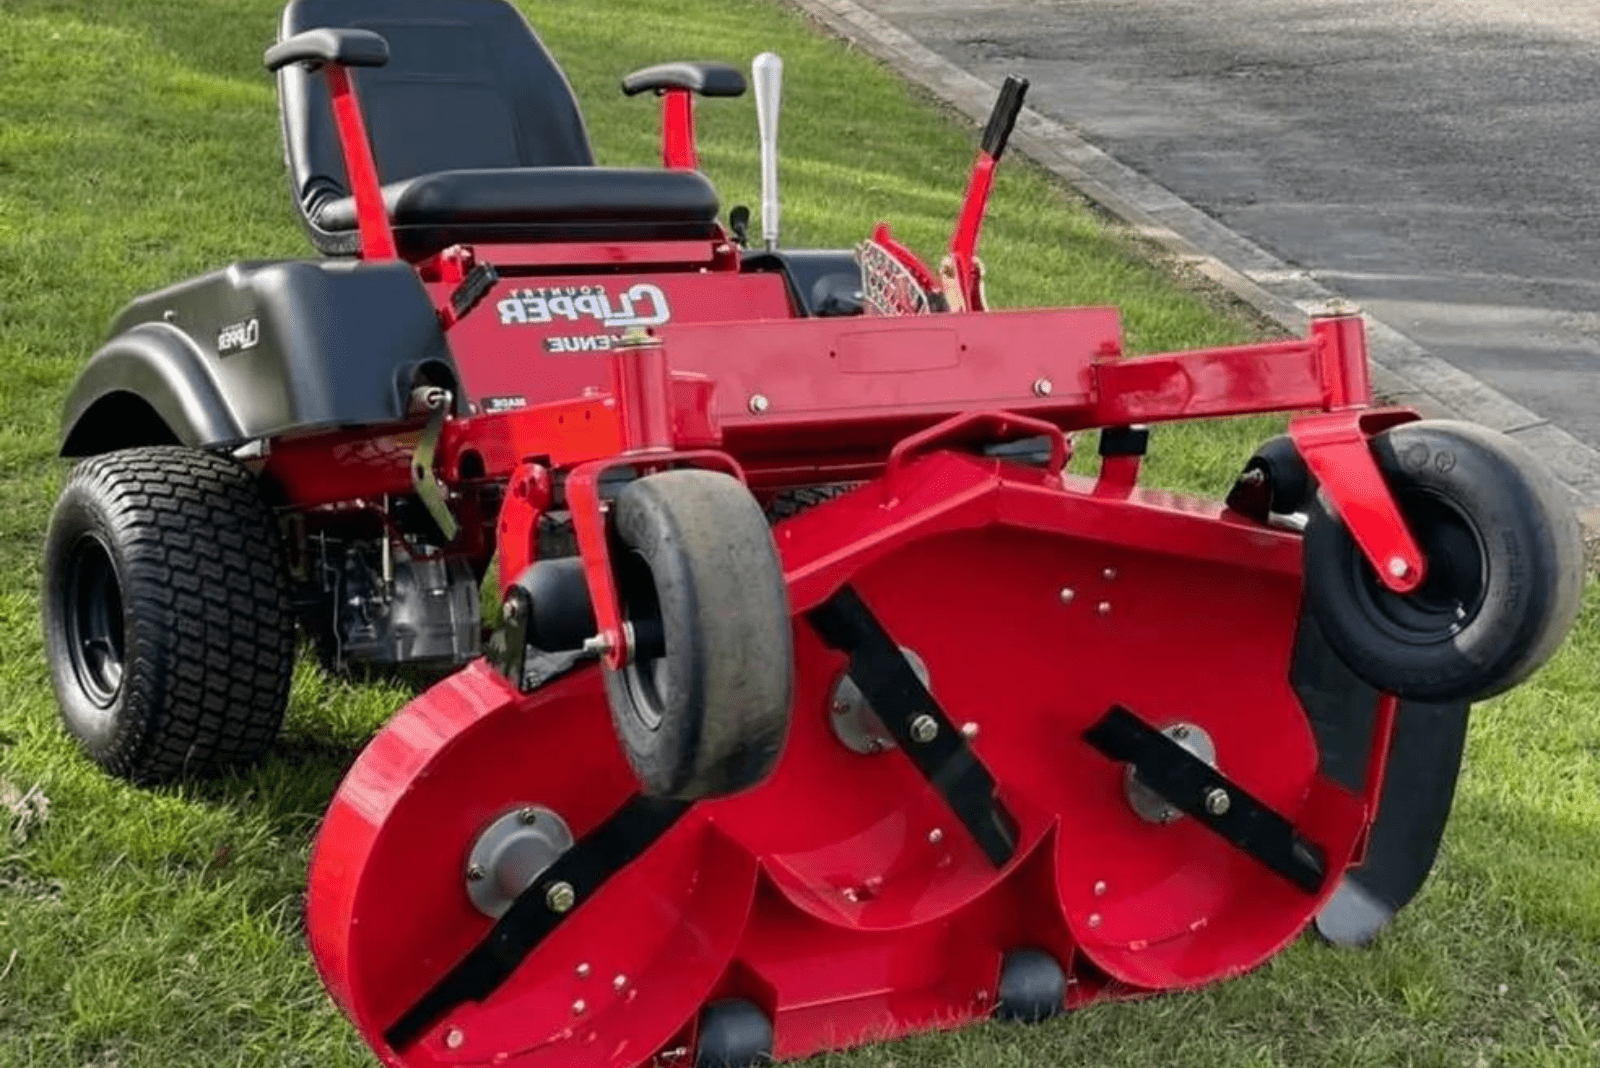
[1109, 573]
[583, 970]
[924, 728]
[969, 730]
[936, 835]
[579, 1007]
[1094, 919]
[1042, 387]
[475, 872]
[560, 897]
[620, 982]
[1100, 888]
[1104, 608]
[529, 815]
[759, 404]
[1217, 801]
[1180, 732]
[453, 1038]
[1067, 594]
[1398, 568]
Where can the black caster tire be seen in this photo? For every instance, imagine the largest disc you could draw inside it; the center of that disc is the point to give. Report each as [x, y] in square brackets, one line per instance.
[1504, 556]
[702, 709]
[1033, 987]
[1275, 481]
[167, 619]
[733, 1034]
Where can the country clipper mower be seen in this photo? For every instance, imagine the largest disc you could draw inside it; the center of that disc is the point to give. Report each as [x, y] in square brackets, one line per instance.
[825, 705]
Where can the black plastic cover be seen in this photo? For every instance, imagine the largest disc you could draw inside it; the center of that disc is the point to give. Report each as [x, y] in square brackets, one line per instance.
[822, 282]
[259, 349]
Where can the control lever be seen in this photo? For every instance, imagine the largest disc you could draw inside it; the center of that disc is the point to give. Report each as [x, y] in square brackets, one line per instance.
[469, 294]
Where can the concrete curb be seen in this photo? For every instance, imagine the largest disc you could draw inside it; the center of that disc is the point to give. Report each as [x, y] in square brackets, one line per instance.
[1401, 371]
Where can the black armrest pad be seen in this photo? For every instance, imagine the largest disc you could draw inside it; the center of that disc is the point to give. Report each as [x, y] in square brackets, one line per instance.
[346, 47]
[707, 79]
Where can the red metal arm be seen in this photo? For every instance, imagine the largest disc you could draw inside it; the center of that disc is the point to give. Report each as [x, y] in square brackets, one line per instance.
[372, 219]
[677, 130]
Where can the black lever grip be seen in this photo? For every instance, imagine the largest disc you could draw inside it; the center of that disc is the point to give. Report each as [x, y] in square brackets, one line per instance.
[473, 288]
[1004, 115]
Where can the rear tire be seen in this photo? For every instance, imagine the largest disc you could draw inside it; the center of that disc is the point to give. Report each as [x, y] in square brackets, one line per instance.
[702, 709]
[1504, 557]
[167, 619]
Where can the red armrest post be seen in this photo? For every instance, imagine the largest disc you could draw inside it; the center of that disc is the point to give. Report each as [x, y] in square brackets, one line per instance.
[677, 130]
[372, 219]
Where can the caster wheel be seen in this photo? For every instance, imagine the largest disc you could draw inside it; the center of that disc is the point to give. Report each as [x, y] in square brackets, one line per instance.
[1504, 557]
[702, 709]
[733, 1034]
[1032, 987]
[1275, 481]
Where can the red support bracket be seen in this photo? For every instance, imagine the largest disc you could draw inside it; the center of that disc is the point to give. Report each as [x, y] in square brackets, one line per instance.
[677, 130]
[1336, 448]
[975, 427]
[372, 218]
[528, 497]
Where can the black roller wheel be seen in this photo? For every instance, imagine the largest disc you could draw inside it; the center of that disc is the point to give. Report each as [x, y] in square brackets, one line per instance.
[1274, 481]
[1032, 987]
[1504, 557]
[733, 1034]
[167, 620]
[702, 709]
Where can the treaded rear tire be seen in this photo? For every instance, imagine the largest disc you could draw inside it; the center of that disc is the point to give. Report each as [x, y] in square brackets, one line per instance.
[198, 620]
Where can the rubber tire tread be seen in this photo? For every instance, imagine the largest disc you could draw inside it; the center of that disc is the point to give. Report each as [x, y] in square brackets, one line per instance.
[210, 638]
[786, 504]
[1534, 547]
[729, 659]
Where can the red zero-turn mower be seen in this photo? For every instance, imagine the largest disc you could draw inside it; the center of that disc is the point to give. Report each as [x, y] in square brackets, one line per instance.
[824, 705]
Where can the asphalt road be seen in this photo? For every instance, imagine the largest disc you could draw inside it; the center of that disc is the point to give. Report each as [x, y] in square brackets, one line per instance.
[1438, 163]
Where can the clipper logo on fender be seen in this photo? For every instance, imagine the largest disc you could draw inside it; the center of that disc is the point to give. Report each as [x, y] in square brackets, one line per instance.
[236, 337]
[639, 305]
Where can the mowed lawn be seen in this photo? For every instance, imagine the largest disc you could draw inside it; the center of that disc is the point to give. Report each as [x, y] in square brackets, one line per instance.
[161, 929]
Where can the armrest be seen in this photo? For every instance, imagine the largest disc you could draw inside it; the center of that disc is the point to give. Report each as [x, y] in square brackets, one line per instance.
[705, 79]
[339, 46]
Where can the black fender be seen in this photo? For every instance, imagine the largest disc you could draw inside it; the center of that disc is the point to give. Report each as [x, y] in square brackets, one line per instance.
[257, 350]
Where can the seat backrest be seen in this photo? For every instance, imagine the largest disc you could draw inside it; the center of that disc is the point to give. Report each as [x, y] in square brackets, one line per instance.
[468, 85]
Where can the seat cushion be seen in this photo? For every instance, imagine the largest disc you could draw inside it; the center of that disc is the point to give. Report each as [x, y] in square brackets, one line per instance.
[433, 211]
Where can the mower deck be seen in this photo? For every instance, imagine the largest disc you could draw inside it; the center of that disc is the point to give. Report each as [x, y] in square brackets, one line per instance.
[846, 897]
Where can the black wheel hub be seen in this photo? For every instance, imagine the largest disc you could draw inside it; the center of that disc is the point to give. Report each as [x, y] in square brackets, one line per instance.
[1451, 594]
[93, 619]
[646, 672]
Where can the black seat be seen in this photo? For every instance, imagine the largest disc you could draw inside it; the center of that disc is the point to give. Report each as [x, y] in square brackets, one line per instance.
[476, 134]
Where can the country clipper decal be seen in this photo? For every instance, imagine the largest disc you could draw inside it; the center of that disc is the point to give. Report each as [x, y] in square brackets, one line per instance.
[642, 304]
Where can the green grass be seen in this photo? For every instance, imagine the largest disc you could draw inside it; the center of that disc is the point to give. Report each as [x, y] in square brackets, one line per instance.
[139, 145]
